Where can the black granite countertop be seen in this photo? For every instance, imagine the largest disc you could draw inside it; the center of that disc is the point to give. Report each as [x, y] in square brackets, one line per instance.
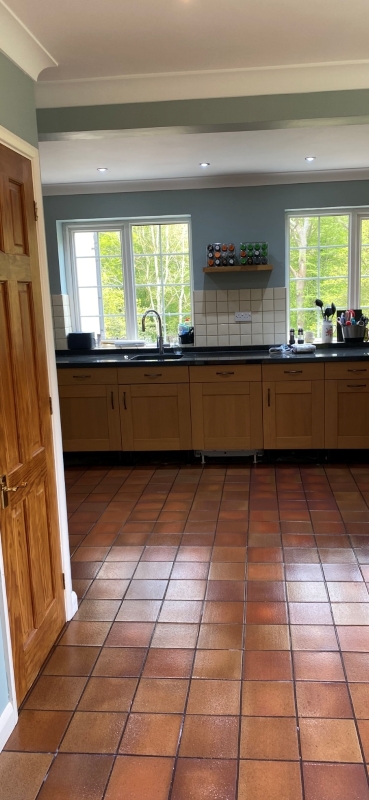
[199, 356]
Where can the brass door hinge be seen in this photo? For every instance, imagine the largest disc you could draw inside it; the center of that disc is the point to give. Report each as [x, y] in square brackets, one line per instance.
[51, 405]
[35, 209]
[63, 580]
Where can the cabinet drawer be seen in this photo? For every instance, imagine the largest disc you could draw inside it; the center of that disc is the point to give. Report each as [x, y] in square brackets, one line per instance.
[85, 376]
[225, 374]
[153, 373]
[293, 372]
[351, 369]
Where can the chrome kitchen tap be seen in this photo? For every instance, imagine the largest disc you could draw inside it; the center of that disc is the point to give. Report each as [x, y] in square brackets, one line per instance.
[159, 340]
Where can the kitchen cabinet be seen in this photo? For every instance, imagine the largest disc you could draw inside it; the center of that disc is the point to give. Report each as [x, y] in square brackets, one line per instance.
[226, 408]
[346, 406]
[155, 416]
[89, 409]
[293, 406]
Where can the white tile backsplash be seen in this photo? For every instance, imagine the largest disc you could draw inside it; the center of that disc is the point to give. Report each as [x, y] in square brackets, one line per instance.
[61, 319]
[215, 310]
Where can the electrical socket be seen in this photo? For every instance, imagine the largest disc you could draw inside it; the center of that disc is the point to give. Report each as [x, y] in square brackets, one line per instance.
[242, 316]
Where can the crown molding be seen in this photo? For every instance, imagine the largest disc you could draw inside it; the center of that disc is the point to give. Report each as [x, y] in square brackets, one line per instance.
[21, 46]
[223, 181]
[300, 78]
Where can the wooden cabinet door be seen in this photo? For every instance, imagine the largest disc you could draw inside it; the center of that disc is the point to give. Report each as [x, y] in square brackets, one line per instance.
[155, 417]
[293, 414]
[226, 416]
[347, 413]
[90, 418]
[28, 515]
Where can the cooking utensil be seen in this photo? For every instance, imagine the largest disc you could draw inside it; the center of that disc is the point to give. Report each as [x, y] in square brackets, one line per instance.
[319, 303]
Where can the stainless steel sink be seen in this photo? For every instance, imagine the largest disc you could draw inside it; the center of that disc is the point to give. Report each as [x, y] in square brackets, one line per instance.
[157, 357]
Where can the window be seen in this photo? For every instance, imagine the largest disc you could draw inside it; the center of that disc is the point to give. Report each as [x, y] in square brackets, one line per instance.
[119, 270]
[328, 258]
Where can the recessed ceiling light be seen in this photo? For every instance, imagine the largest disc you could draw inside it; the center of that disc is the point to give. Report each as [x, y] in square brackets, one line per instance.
[102, 169]
[309, 158]
[205, 164]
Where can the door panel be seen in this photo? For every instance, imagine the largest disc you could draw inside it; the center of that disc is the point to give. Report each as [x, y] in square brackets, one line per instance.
[90, 417]
[346, 414]
[293, 414]
[28, 520]
[226, 416]
[155, 417]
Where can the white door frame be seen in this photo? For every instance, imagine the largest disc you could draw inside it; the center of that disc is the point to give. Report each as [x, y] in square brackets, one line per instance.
[9, 717]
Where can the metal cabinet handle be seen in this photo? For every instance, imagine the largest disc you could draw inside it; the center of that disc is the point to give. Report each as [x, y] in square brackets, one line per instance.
[112, 399]
[225, 373]
[124, 401]
[356, 385]
[357, 370]
[293, 371]
[153, 374]
[81, 377]
[268, 398]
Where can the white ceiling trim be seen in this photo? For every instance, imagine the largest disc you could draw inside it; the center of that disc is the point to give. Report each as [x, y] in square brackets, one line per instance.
[213, 83]
[223, 181]
[19, 44]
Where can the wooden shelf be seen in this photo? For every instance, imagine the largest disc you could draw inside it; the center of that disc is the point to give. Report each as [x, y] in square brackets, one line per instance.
[251, 268]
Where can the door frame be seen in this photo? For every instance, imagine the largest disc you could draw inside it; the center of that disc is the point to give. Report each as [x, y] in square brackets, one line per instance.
[9, 717]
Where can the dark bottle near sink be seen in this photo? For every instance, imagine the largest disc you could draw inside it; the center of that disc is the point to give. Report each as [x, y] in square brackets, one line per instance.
[188, 337]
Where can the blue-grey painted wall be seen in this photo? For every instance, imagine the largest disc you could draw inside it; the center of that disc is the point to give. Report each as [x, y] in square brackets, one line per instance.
[4, 691]
[17, 101]
[252, 213]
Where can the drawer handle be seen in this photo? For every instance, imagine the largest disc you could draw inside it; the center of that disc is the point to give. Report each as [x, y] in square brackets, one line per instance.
[81, 377]
[124, 401]
[356, 385]
[293, 371]
[225, 373]
[153, 374]
[357, 370]
[112, 399]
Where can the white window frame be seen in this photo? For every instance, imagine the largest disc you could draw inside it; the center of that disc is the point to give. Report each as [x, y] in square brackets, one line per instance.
[356, 215]
[124, 226]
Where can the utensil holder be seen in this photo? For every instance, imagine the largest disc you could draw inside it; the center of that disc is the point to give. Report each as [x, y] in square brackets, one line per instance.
[327, 331]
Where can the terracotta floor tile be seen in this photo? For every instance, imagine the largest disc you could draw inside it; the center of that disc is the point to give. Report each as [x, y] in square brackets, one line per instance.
[186, 590]
[318, 666]
[310, 614]
[90, 554]
[227, 571]
[351, 613]
[130, 634]
[139, 611]
[209, 737]
[193, 570]
[120, 662]
[329, 740]
[77, 661]
[224, 538]
[55, 693]
[214, 697]
[151, 735]
[97, 610]
[22, 774]
[357, 666]
[354, 638]
[38, 731]
[304, 572]
[161, 695]
[153, 570]
[268, 699]
[265, 572]
[224, 612]
[360, 699]
[300, 555]
[313, 637]
[262, 591]
[80, 587]
[107, 590]
[146, 590]
[188, 554]
[264, 540]
[335, 782]
[85, 569]
[140, 778]
[269, 738]
[230, 554]
[128, 553]
[175, 635]
[162, 663]
[220, 637]
[218, 664]
[93, 732]
[363, 725]
[180, 611]
[269, 780]
[108, 694]
[329, 700]
[199, 779]
[267, 637]
[341, 572]
[234, 591]
[266, 613]
[308, 592]
[86, 633]
[267, 665]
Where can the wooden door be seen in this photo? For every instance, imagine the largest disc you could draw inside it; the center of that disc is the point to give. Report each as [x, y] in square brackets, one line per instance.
[293, 413]
[29, 523]
[90, 417]
[155, 417]
[226, 416]
[347, 413]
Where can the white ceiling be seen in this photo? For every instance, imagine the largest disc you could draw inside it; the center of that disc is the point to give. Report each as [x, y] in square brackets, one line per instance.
[137, 158]
[91, 39]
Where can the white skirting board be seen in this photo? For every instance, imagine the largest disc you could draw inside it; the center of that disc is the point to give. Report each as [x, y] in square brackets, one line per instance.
[8, 721]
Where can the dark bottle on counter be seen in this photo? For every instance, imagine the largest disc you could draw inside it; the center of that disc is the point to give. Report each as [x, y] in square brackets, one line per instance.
[292, 336]
[300, 336]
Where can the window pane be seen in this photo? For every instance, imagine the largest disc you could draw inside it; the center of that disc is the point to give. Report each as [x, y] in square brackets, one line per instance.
[334, 261]
[365, 231]
[304, 231]
[174, 238]
[365, 261]
[303, 294]
[334, 230]
[84, 243]
[176, 269]
[86, 272]
[110, 243]
[304, 263]
[113, 301]
[90, 325]
[111, 271]
[309, 320]
[148, 297]
[147, 269]
[334, 290]
[115, 327]
[88, 302]
[146, 239]
[177, 300]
